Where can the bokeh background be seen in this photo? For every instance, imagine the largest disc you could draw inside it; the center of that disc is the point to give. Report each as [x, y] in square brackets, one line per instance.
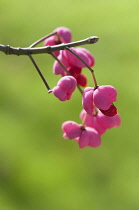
[38, 169]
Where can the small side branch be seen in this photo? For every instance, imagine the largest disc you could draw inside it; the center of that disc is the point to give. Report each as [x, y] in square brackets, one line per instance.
[39, 72]
[8, 50]
[42, 39]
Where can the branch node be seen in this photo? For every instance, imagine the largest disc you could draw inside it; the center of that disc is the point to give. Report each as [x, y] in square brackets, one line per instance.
[7, 51]
[19, 50]
[49, 49]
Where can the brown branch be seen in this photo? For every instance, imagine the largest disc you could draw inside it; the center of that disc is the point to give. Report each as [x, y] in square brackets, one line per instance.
[8, 50]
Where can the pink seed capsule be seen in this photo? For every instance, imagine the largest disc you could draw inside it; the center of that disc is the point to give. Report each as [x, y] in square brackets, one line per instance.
[64, 35]
[90, 56]
[104, 96]
[73, 60]
[65, 87]
[108, 122]
[71, 129]
[87, 100]
[89, 137]
[93, 121]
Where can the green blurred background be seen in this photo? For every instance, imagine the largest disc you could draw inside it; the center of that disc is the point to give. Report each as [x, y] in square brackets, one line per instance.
[38, 169]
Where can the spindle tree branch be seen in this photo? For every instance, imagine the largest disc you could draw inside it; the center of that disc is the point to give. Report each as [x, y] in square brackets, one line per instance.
[8, 50]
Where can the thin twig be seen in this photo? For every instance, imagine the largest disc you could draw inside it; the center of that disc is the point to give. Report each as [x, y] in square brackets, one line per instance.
[43, 38]
[48, 49]
[67, 48]
[39, 72]
[61, 64]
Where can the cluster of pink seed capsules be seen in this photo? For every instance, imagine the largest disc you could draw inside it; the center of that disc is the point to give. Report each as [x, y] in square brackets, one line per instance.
[99, 112]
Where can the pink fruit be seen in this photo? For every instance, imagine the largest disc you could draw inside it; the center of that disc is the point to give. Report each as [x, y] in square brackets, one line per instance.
[93, 122]
[90, 56]
[65, 87]
[73, 60]
[71, 129]
[87, 100]
[84, 136]
[89, 137]
[65, 37]
[104, 96]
